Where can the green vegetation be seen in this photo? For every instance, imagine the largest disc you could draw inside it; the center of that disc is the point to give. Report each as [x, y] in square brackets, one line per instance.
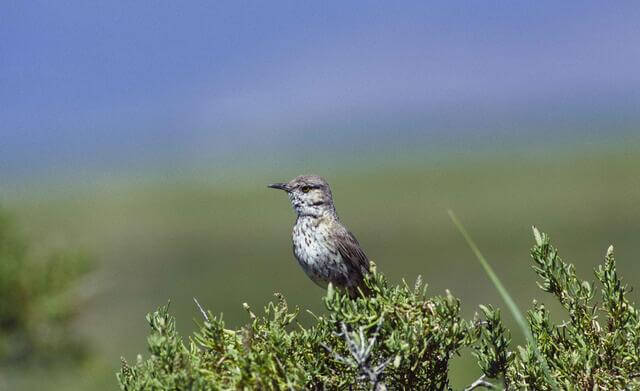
[597, 346]
[398, 338]
[36, 301]
[227, 240]
[398, 335]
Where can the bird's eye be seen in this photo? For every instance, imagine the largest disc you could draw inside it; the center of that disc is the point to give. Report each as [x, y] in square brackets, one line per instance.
[305, 189]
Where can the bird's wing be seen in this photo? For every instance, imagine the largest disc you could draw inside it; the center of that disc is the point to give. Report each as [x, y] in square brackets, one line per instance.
[351, 251]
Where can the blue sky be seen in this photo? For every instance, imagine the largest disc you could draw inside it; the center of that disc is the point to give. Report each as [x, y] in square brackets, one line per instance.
[107, 83]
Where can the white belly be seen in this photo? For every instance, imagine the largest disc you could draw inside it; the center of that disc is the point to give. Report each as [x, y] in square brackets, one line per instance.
[320, 261]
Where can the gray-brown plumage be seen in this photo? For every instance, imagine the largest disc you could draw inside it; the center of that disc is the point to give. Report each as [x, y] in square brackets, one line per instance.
[323, 246]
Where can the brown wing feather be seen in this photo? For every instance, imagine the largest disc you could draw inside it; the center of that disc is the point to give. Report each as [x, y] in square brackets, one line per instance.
[352, 253]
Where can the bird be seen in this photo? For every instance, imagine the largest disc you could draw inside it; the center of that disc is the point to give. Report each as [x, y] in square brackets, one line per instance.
[327, 251]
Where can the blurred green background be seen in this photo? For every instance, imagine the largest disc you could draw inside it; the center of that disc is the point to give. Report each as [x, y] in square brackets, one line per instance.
[143, 135]
[228, 242]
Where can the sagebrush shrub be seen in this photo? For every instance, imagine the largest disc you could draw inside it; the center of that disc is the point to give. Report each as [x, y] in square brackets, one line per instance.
[399, 338]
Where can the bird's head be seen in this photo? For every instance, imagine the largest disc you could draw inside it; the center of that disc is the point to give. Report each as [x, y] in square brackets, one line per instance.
[310, 195]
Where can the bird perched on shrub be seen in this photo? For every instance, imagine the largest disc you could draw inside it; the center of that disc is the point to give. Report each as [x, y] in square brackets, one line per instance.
[323, 246]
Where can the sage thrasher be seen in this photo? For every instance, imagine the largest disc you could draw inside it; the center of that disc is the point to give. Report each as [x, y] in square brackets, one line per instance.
[323, 246]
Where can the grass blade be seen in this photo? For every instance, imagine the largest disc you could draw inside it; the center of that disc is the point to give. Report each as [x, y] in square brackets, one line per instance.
[515, 311]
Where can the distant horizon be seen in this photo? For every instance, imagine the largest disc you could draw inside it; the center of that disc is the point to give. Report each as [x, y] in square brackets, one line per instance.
[237, 171]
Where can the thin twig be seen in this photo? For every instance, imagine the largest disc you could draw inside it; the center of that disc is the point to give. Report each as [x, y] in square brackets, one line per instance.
[204, 314]
[360, 348]
[480, 382]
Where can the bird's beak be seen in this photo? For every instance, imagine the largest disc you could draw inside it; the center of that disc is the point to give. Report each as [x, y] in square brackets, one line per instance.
[279, 186]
